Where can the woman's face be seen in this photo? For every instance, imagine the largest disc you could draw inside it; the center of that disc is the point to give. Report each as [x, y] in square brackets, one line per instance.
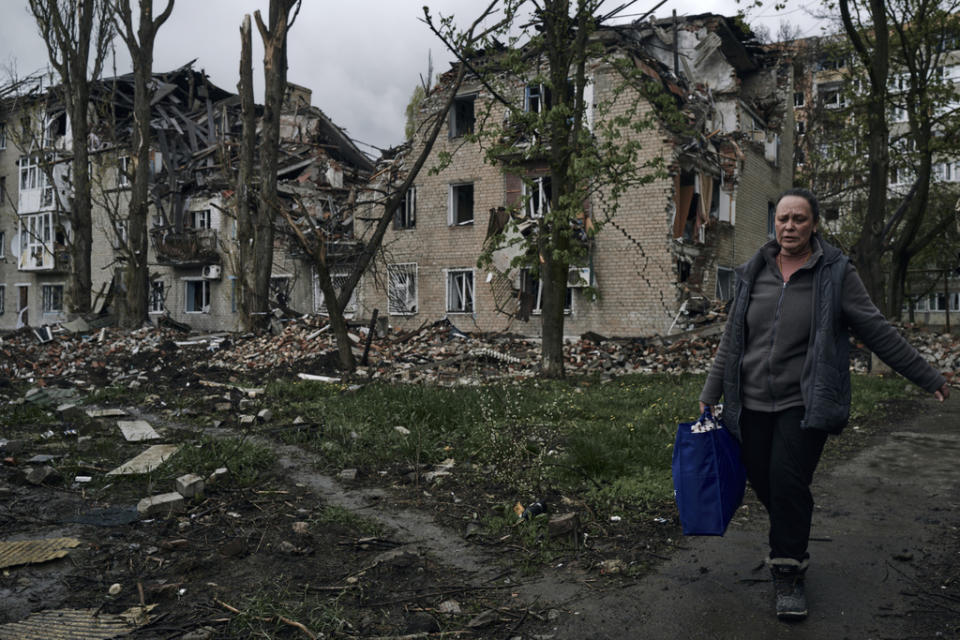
[793, 224]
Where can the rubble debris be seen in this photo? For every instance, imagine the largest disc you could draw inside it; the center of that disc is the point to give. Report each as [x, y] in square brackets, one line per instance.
[190, 485]
[137, 430]
[160, 505]
[437, 353]
[147, 461]
[21, 552]
[89, 624]
[106, 413]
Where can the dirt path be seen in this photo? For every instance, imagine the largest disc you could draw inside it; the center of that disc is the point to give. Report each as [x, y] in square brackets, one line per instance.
[884, 561]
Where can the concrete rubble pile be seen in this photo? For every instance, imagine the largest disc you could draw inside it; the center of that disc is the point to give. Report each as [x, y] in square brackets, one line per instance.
[435, 353]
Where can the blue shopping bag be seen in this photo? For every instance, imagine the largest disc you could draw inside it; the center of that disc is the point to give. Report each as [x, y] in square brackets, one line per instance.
[708, 476]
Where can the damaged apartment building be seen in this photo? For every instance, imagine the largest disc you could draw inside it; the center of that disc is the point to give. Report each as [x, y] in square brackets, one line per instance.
[192, 229]
[671, 246]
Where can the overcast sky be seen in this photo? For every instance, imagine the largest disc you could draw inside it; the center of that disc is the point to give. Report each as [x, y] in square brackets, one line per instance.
[361, 58]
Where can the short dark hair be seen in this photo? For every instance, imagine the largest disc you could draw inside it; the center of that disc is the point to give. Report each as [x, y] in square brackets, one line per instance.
[807, 195]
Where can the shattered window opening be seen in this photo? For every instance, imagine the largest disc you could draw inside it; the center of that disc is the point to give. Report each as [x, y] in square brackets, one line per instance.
[798, 99]
[460, 291]
[683, 270]
[461, 204]
[462, 116]
[725, 282]
[406, 215]
[402, 289]
[339, 277]
[197, 296]
[280, 287]
[52, 298]
[532, 287]
[200, 219]
[157, 296]
[123, 167]
[537, 197]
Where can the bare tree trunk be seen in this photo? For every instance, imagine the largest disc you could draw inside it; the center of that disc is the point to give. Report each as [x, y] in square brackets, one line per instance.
[69, 30]
[245, 190]
[136, 273]
[868, 249]
[275, 82]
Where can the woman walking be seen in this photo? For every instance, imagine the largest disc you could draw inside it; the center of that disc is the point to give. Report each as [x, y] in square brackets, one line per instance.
[783, 370]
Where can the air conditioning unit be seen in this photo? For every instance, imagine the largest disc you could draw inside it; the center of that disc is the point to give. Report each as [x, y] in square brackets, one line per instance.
[579, 277]
[211, 272]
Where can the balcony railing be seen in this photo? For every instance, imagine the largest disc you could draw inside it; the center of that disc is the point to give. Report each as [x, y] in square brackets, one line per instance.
[189, 247]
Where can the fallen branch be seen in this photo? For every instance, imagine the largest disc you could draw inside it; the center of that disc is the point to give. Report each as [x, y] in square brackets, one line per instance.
[283, 619]
[423, 634]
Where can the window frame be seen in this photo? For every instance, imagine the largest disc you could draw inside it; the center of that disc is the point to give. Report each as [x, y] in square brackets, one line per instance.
[320, 302]
[51, 298]
[527, 281]
[461, 123]
[453, 204]
[156, 303]
[411, 271]
[536, 197]
[466, 289]
[123, 165]
[731, 276]
[204, 216]
[406, 214]
[204, 295]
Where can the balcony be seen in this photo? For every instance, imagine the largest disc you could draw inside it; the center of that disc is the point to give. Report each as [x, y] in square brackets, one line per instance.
[186, 248]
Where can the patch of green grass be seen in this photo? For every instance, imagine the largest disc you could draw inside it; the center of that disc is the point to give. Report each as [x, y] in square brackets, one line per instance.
[115, 394]
[332, 514]
[869, 392]
[265, 614]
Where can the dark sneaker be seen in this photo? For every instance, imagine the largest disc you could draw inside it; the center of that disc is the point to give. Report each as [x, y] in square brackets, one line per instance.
[791, 601]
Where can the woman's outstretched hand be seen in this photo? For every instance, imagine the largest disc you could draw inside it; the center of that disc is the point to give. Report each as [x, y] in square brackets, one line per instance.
[704, 407]
[940, 394]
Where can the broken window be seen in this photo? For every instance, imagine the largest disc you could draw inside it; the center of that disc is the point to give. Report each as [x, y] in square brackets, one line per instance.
[406, 215]
[460, 291]
[798, 98]
[338, 277]
[402, 288]
[537, 195]
[197, 296]
[831, 95]
[461, 204]
[35, 235]
[536, 98]
[52, 298]
[687, 203]
[30, 175]
[683, 270]
[725, 282]
[462, 116]
[123, 167]
[280, 287]
[531, 294]
[157, 296]
[200, 219]
[801, 127]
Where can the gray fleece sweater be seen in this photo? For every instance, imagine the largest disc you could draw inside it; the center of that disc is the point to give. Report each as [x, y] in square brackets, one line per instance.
[778, 322]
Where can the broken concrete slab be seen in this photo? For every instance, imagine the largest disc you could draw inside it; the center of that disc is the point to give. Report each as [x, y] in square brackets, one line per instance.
[137, 430]
[77, 325]
[190, 485]
[160, 505]
[15, 553]
[106, 413]
[146, 461]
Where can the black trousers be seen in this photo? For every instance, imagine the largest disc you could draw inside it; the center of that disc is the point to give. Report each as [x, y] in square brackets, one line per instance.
[780, 459]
